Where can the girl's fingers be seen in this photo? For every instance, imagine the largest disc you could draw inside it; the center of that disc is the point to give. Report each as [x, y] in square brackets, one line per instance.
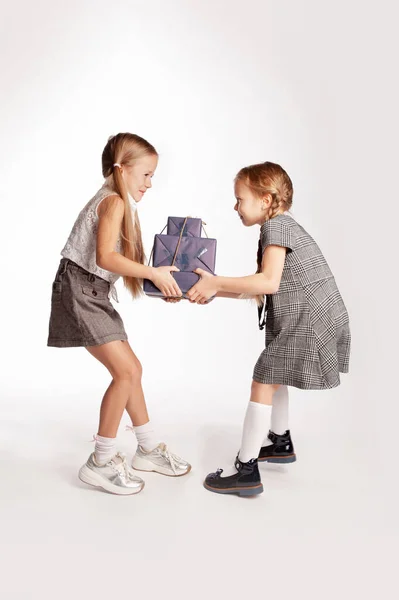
[177, 291]
[167, 292]
[175, 288]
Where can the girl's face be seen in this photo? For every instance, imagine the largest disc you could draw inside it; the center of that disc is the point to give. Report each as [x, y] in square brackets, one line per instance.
[138, 177]
[251, 209]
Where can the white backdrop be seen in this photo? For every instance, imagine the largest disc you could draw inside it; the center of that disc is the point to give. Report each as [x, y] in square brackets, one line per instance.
[214, 86]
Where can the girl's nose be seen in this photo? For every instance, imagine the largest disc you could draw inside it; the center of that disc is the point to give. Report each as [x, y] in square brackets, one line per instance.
[236, 206]
[148, 184]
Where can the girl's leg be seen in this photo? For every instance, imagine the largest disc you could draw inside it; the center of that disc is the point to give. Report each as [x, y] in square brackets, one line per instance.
[137, 410]
[279, 421]
[125, 391]
[277, 447]
[126, 374]
[256, 420]
[279, 418]
[244, 478]
[107, 468]
[136, 406]
[263, 393]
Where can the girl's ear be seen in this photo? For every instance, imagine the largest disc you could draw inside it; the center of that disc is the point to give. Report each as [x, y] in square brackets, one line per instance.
[267, 201]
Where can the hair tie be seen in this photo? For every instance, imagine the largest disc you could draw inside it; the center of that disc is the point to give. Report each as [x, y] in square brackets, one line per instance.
[117, 165]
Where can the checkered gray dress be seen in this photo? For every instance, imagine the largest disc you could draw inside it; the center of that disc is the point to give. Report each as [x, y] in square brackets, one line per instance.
[307, 324]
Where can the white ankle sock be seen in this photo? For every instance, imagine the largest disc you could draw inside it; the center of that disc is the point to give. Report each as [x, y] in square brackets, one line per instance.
[255, 424]
[146, 437]
[279, 419]
[104, 449]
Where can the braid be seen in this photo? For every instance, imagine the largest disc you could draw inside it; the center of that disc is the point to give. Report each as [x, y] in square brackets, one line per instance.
[276, 205]
[269, 178]
[259, 256]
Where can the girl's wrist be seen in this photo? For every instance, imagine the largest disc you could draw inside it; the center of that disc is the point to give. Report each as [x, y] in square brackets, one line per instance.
[218, 283]
[150, 273]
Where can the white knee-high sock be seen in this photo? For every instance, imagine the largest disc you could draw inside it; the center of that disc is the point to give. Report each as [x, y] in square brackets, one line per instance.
[255, 424]
[146, 437]
[279, 418]
[104, 449]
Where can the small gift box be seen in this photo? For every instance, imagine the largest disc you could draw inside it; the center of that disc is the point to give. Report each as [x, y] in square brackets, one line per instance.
[184, 248]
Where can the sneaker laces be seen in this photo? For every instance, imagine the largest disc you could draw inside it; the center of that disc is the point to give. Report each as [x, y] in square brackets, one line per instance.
[173, 459]
[120, 467]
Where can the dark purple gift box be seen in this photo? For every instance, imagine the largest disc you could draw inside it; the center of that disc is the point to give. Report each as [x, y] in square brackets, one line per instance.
[193, 252]
[192, 228]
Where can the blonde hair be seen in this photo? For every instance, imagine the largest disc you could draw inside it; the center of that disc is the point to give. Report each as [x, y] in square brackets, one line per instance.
[268, 179]
[124, 149]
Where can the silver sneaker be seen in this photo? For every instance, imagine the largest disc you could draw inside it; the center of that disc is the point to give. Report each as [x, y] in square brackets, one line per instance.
[160, 460]
[115, 476]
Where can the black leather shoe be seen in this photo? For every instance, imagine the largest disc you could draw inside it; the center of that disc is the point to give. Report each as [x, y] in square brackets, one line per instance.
[280, 451]
[246, 482]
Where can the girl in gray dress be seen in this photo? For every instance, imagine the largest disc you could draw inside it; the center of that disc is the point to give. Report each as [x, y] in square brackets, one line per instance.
[307, 325]
[104, 244]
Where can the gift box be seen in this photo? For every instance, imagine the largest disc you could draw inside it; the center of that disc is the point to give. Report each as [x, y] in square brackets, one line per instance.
[184, 248]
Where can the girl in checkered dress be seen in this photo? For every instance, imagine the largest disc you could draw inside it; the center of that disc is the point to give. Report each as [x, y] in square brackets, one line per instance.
[307, 325]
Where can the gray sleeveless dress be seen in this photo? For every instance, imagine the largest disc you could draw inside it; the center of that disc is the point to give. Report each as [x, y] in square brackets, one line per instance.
[307, 324]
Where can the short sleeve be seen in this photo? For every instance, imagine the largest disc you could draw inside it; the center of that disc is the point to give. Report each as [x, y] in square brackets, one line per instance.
[276, 232]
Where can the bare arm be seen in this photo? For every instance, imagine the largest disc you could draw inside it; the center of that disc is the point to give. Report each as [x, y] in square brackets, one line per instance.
[228, 295]
[110, 213]
[266, 282]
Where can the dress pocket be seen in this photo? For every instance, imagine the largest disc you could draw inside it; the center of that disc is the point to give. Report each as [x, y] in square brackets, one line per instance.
[94, 292]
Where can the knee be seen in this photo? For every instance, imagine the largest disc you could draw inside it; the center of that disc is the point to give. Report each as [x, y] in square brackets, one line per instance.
[138, 370]
[130, 373]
